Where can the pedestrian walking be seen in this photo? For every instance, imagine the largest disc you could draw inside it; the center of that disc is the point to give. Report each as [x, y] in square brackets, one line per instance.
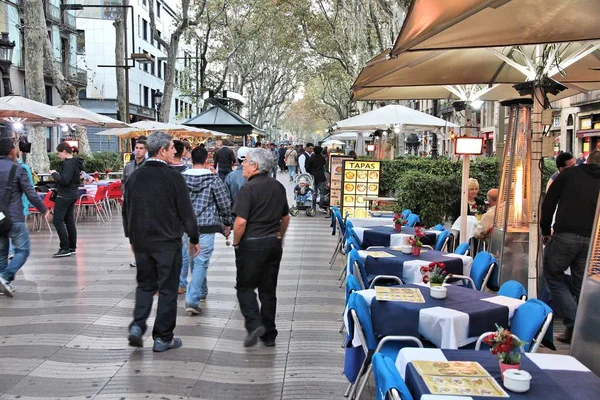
[235, 180]
[156, 212]
[140, 154]
[291, 160]
[281, 160]
[275, 154]
[224, 161]
[304, 156]
[67, 192]
[575, 192]
[12, 220]
[212, 206]
[316, 167]
[262, 218]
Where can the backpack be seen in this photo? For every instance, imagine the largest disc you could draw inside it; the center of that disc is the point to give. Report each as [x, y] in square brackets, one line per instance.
[5, 220]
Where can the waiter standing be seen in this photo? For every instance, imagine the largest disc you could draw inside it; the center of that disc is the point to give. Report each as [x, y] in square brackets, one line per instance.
[262, 217]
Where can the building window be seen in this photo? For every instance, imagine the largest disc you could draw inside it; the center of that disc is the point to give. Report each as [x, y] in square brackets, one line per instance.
[146, 96]
[140, 94]
[80, 42]
[152, 66]
[158, 7]
[144, 29]
[157, 42]
[139, 27]
[176, 106]
[145, 64]
[152, 93]
[165, 70]
[144, 2]
[159, 68]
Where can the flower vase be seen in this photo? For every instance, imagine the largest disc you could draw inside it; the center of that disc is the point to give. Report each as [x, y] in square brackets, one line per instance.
[397, 227]
[504, 367]
[432, 284]
[478, 216]
[416, 251]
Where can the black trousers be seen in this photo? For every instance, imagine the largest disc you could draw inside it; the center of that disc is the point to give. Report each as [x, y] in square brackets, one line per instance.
[257, 263]
[157, 271]
[64, 222]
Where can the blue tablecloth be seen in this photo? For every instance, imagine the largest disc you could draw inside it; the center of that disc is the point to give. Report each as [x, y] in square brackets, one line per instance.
[545, 384]
[395, 266]
[380, 236]
[402, 318]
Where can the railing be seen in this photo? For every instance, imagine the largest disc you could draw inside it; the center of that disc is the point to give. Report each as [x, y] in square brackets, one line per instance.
[69, 21]
[52, 12]
[77, 75]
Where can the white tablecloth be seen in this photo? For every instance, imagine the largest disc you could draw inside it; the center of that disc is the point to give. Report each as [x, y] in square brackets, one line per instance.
[444, 327]
[471, 225]
[362, 222]
[396, 239]
[544, 361]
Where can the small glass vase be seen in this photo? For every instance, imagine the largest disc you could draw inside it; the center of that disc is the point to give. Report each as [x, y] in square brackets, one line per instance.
[398, 227]
[416, 250]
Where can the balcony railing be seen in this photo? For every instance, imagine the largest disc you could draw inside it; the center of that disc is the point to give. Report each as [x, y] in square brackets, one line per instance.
[69, 21]
[77, 76]
[52, 12]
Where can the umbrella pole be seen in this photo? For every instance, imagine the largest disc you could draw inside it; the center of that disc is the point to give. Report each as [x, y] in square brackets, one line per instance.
[464, 195]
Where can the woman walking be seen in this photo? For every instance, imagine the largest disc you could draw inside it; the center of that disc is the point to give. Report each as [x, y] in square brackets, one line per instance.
[67, 191]
[291, 160]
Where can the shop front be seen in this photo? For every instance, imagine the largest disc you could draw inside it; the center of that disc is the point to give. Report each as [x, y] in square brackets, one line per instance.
[589, 133]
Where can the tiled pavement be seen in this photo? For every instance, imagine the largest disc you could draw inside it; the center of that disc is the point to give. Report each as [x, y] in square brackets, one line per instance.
[63, 335]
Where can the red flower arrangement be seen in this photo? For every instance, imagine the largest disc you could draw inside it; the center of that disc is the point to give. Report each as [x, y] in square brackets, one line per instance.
[504, 346]
[399, 219]
[434, 273]
[415, 240]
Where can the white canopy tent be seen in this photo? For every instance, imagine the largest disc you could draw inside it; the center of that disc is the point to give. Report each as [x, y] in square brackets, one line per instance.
[146, 127]
[106, 122]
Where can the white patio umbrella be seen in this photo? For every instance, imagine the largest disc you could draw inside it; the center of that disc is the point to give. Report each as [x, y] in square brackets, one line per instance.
[53, 115]
[105, 121]
[146, 127]
[333, 142]
[14, 114]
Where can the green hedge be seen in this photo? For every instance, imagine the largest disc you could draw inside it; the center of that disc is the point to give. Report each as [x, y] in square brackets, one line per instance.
[100, 161]
[431, 187]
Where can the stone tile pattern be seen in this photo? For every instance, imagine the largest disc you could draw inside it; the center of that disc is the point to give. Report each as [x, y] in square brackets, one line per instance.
[63, 335]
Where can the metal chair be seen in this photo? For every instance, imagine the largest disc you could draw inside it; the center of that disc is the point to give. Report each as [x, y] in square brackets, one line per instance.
[388, 383]
[513, 289]
[463, 249]
[481, 270]
[413, 220]
[442, 240]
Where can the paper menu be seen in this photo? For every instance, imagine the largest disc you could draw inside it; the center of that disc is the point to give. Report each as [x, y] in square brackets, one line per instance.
[378, 254]
[410, 295]
[450, 368]
[464, 386]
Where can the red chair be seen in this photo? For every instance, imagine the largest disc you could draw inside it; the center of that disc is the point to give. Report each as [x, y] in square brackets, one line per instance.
[97, 202]
[37, 215]
[114, 196]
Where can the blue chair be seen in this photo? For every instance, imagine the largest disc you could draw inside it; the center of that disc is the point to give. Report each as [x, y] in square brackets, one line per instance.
[439, 227]
[529, 323]
[513, 289]
[442, 240]
[463, 249]
[352, 285]
[360, 313]
[406, 213]
[481, 270]
[341, 227]
[333, 225]
[388, 380]
[357, 268]
[413, 220]
[351, 243]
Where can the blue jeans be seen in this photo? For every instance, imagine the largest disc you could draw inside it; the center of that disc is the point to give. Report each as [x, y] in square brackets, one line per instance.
[320, 187]
[565, 250]
[185, 260]
[198, 286]
[292, 171]
[19, 236]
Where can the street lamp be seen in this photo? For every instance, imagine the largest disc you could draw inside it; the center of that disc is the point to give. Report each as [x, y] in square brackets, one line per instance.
[158, 102]
[6, 53]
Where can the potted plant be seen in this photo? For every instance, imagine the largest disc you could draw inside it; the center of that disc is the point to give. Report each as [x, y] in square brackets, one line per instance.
[434, 273]
[415, 240]
[399, 221]
[479, 211]
[506, 348]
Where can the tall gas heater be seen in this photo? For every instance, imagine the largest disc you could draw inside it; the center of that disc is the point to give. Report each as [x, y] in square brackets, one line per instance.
[510, 235]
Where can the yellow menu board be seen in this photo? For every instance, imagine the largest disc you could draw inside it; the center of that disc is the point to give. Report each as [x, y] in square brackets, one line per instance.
[360, 179]
[336, 165]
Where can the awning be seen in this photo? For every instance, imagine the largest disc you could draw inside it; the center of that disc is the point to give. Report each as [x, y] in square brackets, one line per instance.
[583, 133]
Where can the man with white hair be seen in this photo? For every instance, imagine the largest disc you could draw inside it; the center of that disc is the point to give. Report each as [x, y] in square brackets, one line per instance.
[262, 218]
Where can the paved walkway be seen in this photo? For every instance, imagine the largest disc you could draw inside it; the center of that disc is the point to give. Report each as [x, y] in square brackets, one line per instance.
[63, 335]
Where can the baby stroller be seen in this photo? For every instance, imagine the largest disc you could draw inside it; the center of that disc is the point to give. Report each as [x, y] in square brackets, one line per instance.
[304, 196]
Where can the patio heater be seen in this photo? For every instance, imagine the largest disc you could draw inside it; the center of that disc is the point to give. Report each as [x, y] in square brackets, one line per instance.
[510, 234]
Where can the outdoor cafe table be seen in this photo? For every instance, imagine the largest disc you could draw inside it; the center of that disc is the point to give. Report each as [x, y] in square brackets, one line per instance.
[387, 235]
[554, 376]
[371, 221]
[408, 267]
[453, 322]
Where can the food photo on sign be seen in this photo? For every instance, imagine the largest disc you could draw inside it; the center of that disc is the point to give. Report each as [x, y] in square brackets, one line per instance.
[360, 180]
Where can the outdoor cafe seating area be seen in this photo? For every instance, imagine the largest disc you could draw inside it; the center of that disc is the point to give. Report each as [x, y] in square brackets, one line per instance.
[402, 340]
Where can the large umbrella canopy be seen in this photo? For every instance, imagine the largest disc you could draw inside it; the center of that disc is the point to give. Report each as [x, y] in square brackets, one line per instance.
[51, 114]
[333, 142]
[451, 24]
[10, 112]
[106, 122]
[146, 127]
[394, 114]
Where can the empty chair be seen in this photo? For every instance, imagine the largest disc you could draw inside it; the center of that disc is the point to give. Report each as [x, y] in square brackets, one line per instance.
[351, 244]
[334, 209]
[442, 240]
[439, 227]
[352, 285]
[388, 382]
[360, 314]
[513, 289]
[97, 202]
[356, 266]
[406, 213]
[463, 249]
[413, 220]
[37, 216]
[481, 270]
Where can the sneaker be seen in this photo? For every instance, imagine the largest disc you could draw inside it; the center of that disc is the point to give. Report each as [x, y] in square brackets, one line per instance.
[193, 310]
[160, 345]
[62, 253]
[135, 336]
[73, 251]
[10, 257]
[253, 336]
[5, 288]
[133, 265]
[182, 290]
[268, 342]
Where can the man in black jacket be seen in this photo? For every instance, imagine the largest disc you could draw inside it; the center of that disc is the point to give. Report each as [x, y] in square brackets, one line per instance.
[575, 191]
[224, 161]
[315, 166]
[156, 212]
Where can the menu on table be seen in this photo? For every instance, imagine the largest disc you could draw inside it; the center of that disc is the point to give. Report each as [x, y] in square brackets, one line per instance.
[378, 254]
[409, 295]
[336, 166]
[464, 378]
[360, 179]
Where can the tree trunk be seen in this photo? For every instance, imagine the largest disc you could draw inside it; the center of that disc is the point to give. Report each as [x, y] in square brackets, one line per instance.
[165, 108]
[35, 37]
[122, 105]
